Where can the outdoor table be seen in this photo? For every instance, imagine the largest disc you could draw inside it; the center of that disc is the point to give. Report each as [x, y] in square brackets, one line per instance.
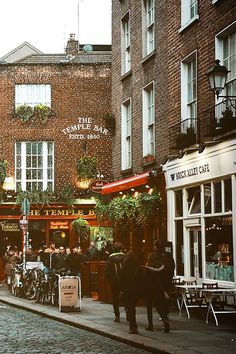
[211, 299]
[190, 290]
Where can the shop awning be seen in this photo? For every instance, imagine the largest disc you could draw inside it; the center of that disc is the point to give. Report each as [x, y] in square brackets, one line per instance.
[126, 183]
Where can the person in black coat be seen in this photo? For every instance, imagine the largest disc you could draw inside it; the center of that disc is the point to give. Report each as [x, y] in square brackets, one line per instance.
[75, 261]
[131, 286]
[112, 273]
[159, 272]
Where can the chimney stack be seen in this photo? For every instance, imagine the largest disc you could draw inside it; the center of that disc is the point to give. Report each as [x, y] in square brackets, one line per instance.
[72, 45]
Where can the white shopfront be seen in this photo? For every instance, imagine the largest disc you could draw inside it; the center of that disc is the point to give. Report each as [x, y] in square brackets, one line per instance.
[201, 204]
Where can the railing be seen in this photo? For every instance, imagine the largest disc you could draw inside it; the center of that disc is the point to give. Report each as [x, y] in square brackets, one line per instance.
[219, 119]
[183, 134]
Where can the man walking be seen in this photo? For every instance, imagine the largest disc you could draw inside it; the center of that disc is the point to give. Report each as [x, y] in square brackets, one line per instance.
[113, 273]
[159, 272]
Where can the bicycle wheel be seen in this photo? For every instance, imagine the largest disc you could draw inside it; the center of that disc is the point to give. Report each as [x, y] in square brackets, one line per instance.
[30, 289]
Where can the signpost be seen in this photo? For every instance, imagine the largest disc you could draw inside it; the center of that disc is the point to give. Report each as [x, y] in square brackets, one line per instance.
[24, 226]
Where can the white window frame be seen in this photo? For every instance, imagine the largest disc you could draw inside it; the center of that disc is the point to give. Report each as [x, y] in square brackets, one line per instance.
[186, 16]
[219, 54]
[188, 104]
[126, 135]
[148, 98]
[21, 166]
[32, 94]
[148, 20]
[125, 44]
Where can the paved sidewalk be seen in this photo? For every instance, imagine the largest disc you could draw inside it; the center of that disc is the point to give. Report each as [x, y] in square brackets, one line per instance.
[186, 336]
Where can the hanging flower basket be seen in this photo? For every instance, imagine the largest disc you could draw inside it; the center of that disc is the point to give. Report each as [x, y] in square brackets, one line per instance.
[24, 113]
[81, 228]
[86, 167]
[42, 113]
[3, 171]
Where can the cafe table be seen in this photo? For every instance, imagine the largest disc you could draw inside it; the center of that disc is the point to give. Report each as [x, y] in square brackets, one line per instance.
[216, 300]
[190, 297]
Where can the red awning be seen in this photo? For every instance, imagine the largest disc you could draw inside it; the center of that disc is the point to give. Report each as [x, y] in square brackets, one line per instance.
[125, 183]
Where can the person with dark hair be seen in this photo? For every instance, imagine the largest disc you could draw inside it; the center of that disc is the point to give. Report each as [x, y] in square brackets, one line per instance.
[159, 272]
[131, 287]
[113, 273]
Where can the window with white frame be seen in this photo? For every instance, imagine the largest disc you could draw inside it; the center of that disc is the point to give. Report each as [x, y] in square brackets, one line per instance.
[32, 94]
[149, 120]
[226, 53]
[189, 11]
[149, 26]
[189, 91]
[229, 60]
[126, 147]
[34, 165]
[125, 44]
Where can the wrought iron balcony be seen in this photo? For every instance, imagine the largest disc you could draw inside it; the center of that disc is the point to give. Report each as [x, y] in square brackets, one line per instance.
[219, 119]
[183, 134]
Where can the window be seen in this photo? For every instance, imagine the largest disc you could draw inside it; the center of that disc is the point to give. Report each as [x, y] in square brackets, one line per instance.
[125, 45]
[149, 26]
[189, 11]
[33, 95]
[34, 165]
[229, 60]
[189, 91]
[194, 200]
[126, 136]
[148, 120]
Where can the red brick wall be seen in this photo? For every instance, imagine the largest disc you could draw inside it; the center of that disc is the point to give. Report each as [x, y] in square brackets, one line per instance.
[77, 91]
[172, 47]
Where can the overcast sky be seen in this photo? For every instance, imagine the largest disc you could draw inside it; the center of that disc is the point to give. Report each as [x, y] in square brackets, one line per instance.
[47, 24]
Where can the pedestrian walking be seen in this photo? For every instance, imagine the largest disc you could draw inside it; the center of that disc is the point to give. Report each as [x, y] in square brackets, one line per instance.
[113, 273]
[131, 287]
[159, 272]
[10, 259]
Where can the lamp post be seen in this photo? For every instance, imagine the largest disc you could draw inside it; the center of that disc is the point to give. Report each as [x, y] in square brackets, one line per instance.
[217, 76]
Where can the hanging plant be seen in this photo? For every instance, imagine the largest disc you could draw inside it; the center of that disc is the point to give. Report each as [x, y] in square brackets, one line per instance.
[148, 206]
[86, 167]
[67, 195]
[102, 208]
[3, 171]
[24, 113]
[122, 211]
[35, 197]
[42, 113]
[81, 228]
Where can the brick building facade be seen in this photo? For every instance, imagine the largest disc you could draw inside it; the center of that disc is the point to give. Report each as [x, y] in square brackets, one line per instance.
[41, 155]
[163, 104]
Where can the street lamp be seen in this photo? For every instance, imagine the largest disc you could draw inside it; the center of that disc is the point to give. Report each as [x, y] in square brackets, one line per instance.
[217, 76]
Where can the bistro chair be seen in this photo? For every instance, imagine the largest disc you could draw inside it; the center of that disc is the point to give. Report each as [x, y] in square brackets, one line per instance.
[174, 294]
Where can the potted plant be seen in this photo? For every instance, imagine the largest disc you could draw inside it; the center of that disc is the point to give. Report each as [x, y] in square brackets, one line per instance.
[24, 113]
[42, 113]
[149, 158]
[228, 121]
[81, 228]
[186, 139]
[122, 211]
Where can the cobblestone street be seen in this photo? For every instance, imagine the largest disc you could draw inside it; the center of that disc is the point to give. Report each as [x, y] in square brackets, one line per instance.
[25, 332]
